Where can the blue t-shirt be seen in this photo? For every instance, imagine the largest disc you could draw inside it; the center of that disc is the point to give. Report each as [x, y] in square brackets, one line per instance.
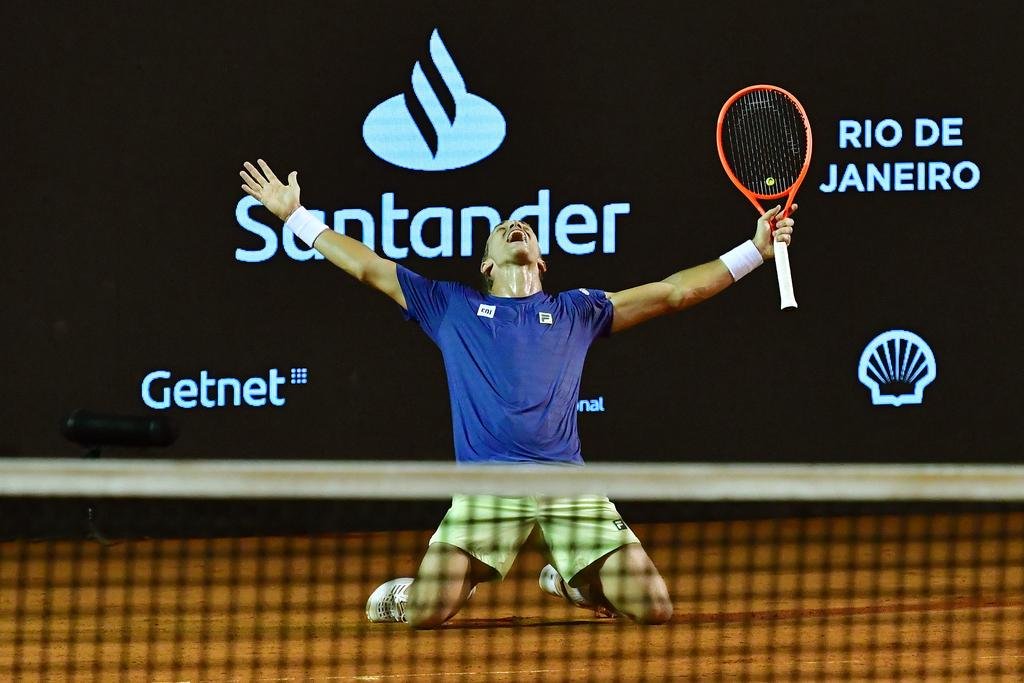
[513, 365]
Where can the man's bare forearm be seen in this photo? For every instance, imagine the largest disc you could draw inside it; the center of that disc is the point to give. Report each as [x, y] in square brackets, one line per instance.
[352, 256]
[699, 283]
[362, 263]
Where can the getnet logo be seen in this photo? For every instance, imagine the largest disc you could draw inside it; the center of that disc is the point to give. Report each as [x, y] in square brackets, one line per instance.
[464, 128]
[161, 391]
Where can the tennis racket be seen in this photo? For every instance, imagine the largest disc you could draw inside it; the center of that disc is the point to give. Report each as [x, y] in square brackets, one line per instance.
[764, 142]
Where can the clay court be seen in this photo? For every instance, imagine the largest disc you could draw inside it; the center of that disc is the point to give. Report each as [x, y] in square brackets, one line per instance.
[865, 598]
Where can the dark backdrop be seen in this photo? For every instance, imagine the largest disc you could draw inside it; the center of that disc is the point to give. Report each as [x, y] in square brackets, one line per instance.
[127, 124]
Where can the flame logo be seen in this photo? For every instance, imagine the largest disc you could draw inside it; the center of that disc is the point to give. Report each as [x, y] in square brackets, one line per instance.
[439, 128]
[896, 366]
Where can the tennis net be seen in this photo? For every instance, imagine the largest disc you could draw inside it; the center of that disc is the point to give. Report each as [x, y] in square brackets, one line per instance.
[214, 571]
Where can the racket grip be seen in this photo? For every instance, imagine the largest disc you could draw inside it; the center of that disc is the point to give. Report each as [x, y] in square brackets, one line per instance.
[788, 299]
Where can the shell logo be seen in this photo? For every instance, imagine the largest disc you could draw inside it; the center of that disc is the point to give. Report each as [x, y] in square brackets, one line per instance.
[896, 366]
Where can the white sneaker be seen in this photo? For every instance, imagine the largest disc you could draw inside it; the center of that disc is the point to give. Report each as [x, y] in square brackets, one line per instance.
[387, 603]
[552, 583]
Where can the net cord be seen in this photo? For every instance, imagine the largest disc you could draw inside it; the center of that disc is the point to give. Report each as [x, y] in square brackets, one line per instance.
[224, 479]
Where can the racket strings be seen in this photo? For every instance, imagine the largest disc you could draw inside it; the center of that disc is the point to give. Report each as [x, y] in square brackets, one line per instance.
[764, 138]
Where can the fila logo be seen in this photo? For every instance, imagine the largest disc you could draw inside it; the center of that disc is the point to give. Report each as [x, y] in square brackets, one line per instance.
[485, 311]
[620, 525]
[545, 318]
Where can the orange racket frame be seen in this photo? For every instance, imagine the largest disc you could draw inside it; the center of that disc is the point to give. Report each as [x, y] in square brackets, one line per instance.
[788, 298]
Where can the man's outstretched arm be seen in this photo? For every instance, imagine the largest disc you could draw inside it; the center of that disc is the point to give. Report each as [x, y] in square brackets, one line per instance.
[693, 285]
[350, 255]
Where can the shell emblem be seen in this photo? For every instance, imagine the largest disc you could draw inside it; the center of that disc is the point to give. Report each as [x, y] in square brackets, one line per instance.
[896, 366]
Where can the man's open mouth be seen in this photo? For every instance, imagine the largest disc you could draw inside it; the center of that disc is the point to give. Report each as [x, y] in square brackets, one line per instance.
[517, 235]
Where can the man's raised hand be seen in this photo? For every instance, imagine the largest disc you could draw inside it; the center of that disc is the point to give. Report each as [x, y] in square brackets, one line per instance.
[280, 199]
[765, 238]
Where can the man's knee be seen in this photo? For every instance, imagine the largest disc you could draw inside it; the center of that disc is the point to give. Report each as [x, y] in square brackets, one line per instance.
[657, 609]
[633, 586]
[646, 601]
[444, 582]
[426, 615]
[432, 602]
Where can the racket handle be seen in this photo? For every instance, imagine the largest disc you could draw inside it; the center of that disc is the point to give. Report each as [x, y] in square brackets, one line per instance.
[785, 277]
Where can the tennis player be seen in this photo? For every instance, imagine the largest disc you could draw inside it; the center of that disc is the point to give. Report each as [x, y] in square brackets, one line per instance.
[514, 356]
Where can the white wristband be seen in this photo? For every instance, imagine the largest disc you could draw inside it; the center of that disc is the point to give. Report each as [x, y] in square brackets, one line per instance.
[742, 259]
[305, 225]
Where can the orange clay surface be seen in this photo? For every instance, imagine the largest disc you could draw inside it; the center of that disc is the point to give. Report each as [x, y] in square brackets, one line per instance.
[862, 598]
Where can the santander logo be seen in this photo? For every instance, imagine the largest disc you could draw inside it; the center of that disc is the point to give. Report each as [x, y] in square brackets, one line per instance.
[456, 128]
